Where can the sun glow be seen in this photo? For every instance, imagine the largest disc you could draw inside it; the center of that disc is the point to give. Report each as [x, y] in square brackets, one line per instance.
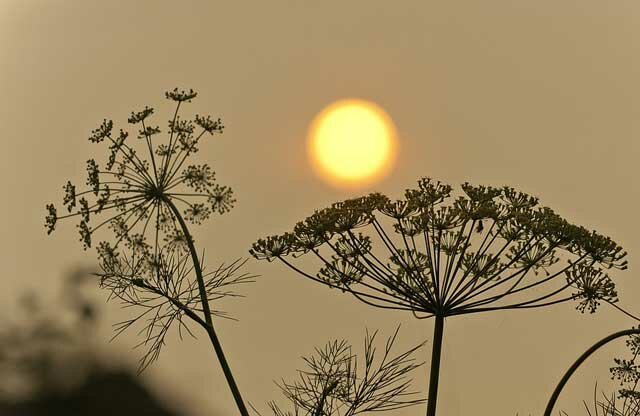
[352, 143]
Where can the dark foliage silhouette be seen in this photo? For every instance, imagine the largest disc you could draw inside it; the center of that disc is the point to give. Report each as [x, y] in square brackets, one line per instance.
[94, 396]
[47, 368]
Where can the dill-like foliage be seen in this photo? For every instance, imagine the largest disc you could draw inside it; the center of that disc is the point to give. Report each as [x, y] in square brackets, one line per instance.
[335, 382]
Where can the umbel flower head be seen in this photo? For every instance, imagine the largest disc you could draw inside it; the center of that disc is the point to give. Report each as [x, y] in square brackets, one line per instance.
[144, 183]
[439, 254]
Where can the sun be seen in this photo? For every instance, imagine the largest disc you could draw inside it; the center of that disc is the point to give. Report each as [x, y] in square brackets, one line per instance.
[352, 143]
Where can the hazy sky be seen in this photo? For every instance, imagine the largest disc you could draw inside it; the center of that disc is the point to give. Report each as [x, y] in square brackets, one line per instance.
[540, 95]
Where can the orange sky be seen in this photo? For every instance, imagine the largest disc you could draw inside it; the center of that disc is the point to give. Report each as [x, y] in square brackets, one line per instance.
[542, 96]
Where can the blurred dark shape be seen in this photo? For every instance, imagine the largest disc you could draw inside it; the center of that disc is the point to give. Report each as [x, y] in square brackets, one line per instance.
[102, 393]
[48, 366]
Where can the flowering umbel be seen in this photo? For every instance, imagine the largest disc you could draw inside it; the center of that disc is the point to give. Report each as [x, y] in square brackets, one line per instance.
[438, 255]
[489, 248]
[138, 197]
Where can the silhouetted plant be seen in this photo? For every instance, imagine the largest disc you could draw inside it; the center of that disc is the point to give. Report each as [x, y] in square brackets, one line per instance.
[610, 405]
[152, 261]
[335, 383]
[166, 294]
[489, 249]
[626, 371]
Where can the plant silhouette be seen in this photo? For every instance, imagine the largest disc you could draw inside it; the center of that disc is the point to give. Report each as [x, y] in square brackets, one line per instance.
[610, 405]
[488, 249]
[335, 383]
[146, 201]
[626, 371]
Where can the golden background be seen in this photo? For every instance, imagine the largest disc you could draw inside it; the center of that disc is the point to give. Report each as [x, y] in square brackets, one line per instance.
[540, 95]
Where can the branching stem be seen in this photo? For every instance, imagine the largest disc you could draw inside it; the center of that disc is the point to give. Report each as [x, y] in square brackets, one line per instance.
[207, 312]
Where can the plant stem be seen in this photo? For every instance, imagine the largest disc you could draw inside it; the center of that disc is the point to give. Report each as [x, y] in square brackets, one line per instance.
[207, 312]
[326, 391]
[436, 352]
[580, 360]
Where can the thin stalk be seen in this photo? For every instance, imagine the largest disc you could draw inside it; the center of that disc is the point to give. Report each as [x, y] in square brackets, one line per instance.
[207, 312]
[434, 375]
[326, 392]
[580, 360]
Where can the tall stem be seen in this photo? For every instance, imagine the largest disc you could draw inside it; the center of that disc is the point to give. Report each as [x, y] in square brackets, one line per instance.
[207, 312]
[434, 376]
[580, 360]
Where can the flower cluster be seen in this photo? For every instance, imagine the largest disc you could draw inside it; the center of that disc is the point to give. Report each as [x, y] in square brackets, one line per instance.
[627, 372]
[479, 250]
[593, 286]
[143, 199]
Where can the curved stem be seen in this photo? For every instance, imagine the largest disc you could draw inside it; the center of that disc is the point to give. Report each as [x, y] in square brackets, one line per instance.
[434, 375]
[580, 360]
[207, 311]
